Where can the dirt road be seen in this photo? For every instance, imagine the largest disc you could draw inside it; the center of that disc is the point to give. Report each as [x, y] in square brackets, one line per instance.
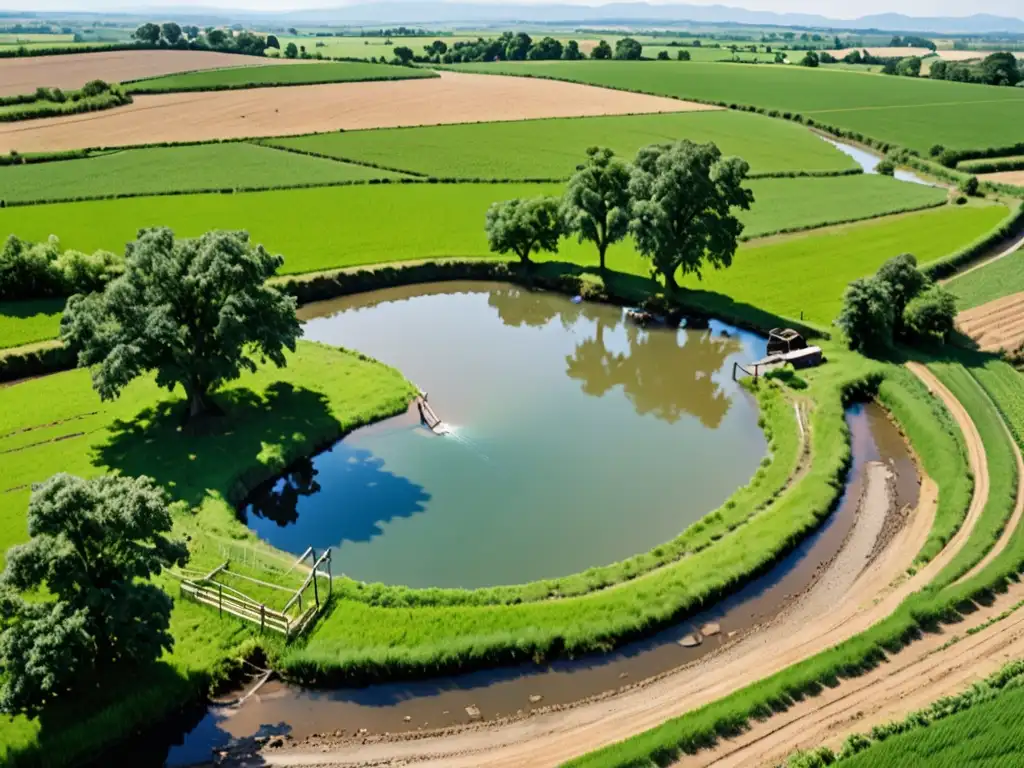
[451, 98]
[828, 614]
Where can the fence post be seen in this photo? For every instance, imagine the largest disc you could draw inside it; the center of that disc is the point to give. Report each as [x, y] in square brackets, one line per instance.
[316, 592]
[263, 617]
[330, 577]
[220, 595]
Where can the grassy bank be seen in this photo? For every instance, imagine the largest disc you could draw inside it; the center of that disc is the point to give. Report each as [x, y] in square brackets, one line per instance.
[57, 423]
[730, 715]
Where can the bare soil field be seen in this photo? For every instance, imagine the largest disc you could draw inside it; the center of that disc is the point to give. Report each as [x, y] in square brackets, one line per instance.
[1004, 177]
[965, 55]
[885, 52]
[451, 98]
[996, 325]
[24, 75]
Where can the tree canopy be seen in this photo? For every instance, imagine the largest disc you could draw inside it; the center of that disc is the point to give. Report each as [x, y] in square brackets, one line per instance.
[147, 33]
[196, 311]
[524, 226]
[628, 48]
[601, 51]
[595, 205]
[93, 545]
[905, 281]
[545, 49]
[683, 196]
[866, 316]
[932, 313]
[291, 50]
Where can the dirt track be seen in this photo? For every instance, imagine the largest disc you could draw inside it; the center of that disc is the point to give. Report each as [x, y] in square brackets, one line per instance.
[820, 620]
[24, 75]
[996, 325]
[451, 98]
[1004, 177]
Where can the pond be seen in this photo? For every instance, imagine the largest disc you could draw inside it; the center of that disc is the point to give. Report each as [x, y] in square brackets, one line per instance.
[579, 439]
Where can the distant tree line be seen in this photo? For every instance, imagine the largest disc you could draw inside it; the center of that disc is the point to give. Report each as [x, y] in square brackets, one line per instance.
[172, 35]
[519, 46]
[995, 69]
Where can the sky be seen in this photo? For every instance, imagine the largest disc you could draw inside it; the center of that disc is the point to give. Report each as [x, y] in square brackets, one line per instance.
[840, 9]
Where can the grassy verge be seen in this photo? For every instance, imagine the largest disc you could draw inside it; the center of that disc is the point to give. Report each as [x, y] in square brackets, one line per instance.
[272, 75]
[728, 716]
[58, 423]
[993, 281]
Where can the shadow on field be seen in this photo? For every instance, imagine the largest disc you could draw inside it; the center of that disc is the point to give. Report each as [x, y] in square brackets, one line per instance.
[258, 436]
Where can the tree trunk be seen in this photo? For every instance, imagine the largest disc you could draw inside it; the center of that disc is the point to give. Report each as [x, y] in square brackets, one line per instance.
[601, 251]
[199, 402]
[671, 286]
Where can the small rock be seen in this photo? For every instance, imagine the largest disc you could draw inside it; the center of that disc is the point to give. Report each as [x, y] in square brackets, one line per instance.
[407, 718]
[445, 712]
[362, 731]
[339, 733]
[711, 628]
[623, 675]
[534, 698]
[691, 641]
[473, 712]
[276, 742]
[732, 634]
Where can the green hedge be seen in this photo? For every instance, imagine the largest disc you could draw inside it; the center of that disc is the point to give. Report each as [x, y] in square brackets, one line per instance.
[992, 166]
[37, 361]
[1010, 226]
[113, 98]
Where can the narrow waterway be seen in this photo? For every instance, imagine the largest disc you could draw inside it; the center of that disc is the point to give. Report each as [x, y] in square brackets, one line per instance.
[279, 708]
[869, 161]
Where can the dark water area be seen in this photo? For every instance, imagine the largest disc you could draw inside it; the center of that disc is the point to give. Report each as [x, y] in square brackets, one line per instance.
[281, 708]
[578, 439]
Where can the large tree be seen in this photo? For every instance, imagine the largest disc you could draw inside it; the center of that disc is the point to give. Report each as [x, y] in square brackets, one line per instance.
[524, 226]
[683, 198]
[1001, 69]
[94, 544]
[595, 205]
[866, 316]
[147, 33]
[171, 32]
[601, 51]
[518, 46]
[933, 312]
[905, 281]
[545, 49]
[197, 311]
[628, 48]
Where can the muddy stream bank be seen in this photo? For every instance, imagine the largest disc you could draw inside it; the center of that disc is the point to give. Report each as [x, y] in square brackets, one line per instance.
[281, 709]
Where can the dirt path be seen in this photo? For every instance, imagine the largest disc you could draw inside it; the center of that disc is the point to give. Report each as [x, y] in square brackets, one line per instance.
[1012, 247]
[450, 98]
[848, 600]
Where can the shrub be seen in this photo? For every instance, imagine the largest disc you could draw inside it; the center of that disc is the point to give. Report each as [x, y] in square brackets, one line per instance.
[662, 55]
[969, 186]
[866, 316]
[933, 313]
[40, 270]
[886, 167]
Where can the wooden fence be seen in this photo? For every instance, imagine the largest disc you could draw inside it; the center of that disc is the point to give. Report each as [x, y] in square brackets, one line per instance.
[291, 621]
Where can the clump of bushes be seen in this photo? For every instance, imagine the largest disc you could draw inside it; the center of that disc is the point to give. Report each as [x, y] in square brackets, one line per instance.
[898, 301]
[50, 102]
[41, 270]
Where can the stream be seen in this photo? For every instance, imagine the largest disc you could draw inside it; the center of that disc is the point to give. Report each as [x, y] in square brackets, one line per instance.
[869, 161]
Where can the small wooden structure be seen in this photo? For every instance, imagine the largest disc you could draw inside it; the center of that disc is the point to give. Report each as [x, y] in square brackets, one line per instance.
[431, 419]
[290, 621]
[784, 340]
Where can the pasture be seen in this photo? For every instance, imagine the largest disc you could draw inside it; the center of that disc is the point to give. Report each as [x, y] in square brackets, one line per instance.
[71, 71]
[914, 113]
[164, 170]
[543, 149]
[993, 281]
[260, 112]
[302, 73]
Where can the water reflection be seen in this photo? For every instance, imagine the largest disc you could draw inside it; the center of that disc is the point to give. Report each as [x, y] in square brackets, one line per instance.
[361, 497]
[665, 373]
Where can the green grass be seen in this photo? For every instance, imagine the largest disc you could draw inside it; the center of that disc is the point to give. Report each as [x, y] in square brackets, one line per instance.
[912, 112]
[993, 281]
[325, 228]
[162, 170]
[24, 322]
[551, 149]
[275, 74]
[57, 423]
[986, 735]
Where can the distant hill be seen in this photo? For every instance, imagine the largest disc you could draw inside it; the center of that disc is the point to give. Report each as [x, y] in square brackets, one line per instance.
[424, 12]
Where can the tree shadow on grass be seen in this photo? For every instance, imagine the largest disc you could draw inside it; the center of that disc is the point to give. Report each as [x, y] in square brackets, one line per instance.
[258, 436]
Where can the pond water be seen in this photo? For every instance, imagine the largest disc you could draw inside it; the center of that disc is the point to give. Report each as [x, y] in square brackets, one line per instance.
[279, 708]
[579, 439]
[869, 162]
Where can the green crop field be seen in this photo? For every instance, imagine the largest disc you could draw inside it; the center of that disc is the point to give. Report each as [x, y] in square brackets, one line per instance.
[25, 322]
[985, 736]
[276, 74]
[993, 281]
[348, 226]
[915, 113]
[343, 226]
[552, 148]
[157, 170]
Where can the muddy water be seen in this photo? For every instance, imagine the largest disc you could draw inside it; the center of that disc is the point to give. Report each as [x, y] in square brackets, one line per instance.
[579, 439]
[280, 708]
